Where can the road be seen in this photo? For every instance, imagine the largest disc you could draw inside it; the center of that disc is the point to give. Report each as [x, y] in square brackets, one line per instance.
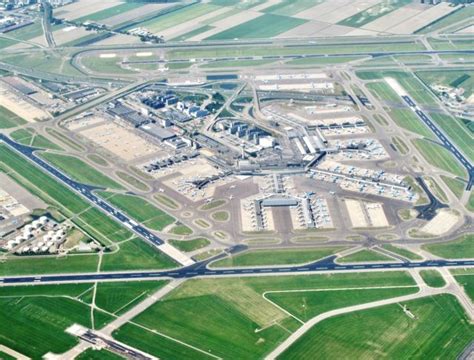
[86, 192]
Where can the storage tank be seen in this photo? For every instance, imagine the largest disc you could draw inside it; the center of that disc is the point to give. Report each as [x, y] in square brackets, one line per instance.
[25, 249]
[36, 224]
[43, 220]
[44, 248]
[35, 249]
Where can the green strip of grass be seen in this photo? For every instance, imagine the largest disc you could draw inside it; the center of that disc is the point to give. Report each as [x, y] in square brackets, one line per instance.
[364, 255]
[403, 252]
[432, 278]
[461, 248]
[384, 92]
[277, 257]
[265, 26]
[80, 171]
[190, 245]
[407, 120]
[456, 186]
[438, 156]
[132, 181]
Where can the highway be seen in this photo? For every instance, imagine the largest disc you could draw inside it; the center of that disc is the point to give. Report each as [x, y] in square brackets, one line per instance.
[86, 192]
[444, 140]
[201, 270]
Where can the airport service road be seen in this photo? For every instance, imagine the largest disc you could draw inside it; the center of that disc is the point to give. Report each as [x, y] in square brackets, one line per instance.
[432, 126]
[200, 270]
[86, 192]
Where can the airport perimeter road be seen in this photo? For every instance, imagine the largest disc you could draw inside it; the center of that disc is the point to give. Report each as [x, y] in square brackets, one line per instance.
[326, 265]
[86, 192]
[434, 128]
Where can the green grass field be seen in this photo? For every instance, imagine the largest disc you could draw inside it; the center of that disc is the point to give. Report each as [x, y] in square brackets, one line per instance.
[109, 12]
[457, 132]
[80, 171]
[96, 222]
[326, 60]
[180, 229]
[403, 252]
[364, 255]
[196, 311]
[35, 324]
[137, 184]
[190, 245]
[29, 137]
[308, 304]
[462, 247]
[467, 282]
[193, 33]
[441, 330]
[235, 63]
[9, 119]
[118, 297]
[136, 254]
[93, 354]
[407, 120]
[440, 157]
[277, 257]
[364, 17]
[180, 16]
[456, 186]
[65, 140]
[213, 204]
[384, 92]
[140, 210]
[291, 7]
[432, 278]
[220, 216]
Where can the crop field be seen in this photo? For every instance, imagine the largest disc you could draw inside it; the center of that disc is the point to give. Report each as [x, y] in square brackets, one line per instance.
[190, 245]
[438, 156]
[140, 210]
[407, 120]
[194, 312]
[265, 26]
[452, 78]
[452, 18]
[277, 257]
[403, 252]
[291, 7]
[364, 17]
[364, 255]
[461, 248]
[384, 92]
[432, 278]
[440, 330]
[135, 254]
[457, 131]
[180, 16]
[9, 119]
[308, 304]
[33, 319]
[80, 171]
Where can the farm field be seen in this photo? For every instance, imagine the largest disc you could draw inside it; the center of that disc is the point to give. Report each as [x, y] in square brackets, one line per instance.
[461, 248]
[194, 312]
[291, 7]
[79, 170]
[441, 330]
[9, 119]
[364, 255]
[438, 156]
[140, 210]
[277, 257]
[111, 11]
[265, 26]
[432, 278]
[35, 324]
[190, 245]
[454, 17]
[364, 17]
